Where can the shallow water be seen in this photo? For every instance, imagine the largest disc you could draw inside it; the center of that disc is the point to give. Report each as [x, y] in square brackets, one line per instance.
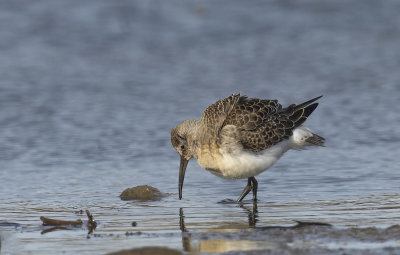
[90, 91]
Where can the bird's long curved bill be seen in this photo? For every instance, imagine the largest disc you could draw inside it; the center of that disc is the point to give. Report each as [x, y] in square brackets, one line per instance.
[182, 170]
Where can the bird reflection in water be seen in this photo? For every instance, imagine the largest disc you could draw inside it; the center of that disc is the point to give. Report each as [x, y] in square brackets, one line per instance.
[193, 244]
[252, 214]
[197, 242]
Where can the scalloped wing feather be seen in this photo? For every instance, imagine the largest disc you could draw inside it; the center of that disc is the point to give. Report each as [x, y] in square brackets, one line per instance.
[261, 123]
[264, 123]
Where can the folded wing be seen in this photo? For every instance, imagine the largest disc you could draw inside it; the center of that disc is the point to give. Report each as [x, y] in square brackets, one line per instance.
[264, 123]
[260, 123]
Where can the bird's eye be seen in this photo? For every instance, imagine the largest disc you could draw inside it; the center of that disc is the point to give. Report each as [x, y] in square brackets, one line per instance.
[182, 147]
[182, 138]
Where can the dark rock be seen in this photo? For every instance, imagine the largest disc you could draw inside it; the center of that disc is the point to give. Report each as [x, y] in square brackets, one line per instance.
[142, 193]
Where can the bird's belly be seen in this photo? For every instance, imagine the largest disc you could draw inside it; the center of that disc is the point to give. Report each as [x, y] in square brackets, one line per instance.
[244, 164]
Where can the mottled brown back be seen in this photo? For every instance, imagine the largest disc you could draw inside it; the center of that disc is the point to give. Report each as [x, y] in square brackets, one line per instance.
[261, 123]
[216, 114]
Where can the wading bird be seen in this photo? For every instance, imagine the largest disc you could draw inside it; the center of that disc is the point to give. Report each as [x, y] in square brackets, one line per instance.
[240, 137]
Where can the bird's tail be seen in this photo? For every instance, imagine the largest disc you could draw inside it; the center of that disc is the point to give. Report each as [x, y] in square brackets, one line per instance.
[303, 137]
[316, 140]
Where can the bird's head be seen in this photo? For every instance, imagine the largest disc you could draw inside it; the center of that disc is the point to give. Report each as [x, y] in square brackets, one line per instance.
[182, 137]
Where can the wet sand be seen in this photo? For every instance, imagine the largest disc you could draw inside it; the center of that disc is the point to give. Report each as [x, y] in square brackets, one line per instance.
[366, 227]
[148, 251]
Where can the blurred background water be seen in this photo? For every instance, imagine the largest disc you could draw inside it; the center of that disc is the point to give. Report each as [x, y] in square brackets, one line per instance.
[89, 91]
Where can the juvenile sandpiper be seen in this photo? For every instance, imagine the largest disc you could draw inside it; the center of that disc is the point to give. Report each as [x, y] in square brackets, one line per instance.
[240, 137]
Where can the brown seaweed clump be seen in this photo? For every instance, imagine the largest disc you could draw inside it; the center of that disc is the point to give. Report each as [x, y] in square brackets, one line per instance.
[142, 193]
[53, 222]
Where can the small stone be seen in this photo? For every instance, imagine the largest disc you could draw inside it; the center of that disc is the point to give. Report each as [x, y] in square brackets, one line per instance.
[141, 193]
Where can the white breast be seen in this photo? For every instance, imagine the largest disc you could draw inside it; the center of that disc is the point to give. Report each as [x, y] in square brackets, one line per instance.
[245, 164]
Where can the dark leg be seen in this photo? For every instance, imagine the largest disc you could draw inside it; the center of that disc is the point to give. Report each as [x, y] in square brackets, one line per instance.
[255, 186]
[246, 190]
[252, 184]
